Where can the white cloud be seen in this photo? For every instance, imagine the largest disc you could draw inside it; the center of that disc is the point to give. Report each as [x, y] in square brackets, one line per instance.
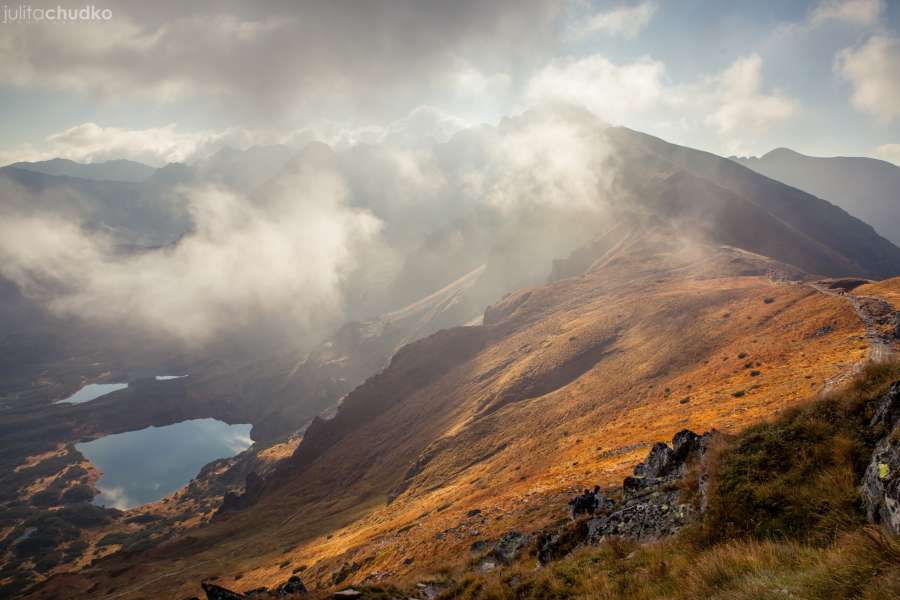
[854, 12]
[889, 152]
[734, 104]
[244, 264]
[738, 101]
[873, 70]
[624, 21]
[606, 89]
[156, 146]
[287, 59]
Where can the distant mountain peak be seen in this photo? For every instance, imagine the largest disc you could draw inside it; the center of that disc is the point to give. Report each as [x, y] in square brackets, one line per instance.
[121, 170]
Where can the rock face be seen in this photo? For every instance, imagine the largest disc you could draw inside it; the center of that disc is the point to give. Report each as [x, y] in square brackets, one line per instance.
[651, 505]
[880, 488]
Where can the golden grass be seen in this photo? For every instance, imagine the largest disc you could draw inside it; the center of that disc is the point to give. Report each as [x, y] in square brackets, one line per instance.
[673, 327]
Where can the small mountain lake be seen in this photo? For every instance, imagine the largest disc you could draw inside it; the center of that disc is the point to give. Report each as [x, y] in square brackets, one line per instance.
[95, 390]
[145, 465]
[91, 391]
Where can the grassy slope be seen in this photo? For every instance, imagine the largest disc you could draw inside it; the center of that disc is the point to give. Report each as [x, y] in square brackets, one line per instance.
[784, 521]
[518, 426]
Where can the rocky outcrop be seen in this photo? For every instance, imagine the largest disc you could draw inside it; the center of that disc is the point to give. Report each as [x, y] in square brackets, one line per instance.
[880, 488]
[292, 588]
[652, 503]
[215, 592]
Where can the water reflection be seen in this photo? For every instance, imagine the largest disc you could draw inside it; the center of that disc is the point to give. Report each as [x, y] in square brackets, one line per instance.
[143, 466]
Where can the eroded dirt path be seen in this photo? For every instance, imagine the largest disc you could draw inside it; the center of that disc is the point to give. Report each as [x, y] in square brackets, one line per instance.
[878, 316]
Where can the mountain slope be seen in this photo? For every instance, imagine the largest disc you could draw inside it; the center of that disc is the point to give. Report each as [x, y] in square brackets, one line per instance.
[867, 188]
[133, 213]
[829, 226]
[563, 385]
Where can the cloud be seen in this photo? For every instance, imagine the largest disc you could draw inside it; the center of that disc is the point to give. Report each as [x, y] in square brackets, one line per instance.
[624, 21]
[330, 237]
[556, 158]
[115, 497]
[608, 90]
[738, 101]
[157, 146]
[251, 267]
[289, 58]
[734, 104]
[90, 142]
[873, 70]
[854, 12]
[889, 152]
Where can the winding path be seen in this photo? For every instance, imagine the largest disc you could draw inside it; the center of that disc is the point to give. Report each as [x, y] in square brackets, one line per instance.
[872, 312]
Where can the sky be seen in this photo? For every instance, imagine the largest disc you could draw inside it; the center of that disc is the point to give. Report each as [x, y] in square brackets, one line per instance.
[171, 81]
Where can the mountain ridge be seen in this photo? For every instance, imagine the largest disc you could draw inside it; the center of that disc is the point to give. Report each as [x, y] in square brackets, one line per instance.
[866, 187]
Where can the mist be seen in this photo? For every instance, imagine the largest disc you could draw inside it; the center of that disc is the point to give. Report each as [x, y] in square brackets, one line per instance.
[334, 236]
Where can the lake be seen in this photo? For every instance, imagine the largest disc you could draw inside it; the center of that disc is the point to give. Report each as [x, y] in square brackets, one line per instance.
[145, 465]
[91, 391]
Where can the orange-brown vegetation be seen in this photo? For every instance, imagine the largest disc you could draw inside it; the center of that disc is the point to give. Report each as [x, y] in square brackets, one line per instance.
[563, 386]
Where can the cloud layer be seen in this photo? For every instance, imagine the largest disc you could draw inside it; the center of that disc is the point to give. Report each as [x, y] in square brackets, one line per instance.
[293, 57]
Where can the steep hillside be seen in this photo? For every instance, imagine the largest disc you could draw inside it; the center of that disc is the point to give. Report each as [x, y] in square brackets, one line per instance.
[867, 188]
[861, 250]
[472, 431]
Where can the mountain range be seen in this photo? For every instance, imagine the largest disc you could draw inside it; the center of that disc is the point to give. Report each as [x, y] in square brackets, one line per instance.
[867, 188]
[519, 332]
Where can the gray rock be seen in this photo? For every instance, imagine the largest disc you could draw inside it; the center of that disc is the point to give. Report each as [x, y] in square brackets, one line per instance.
[888, 411]
[880, 487]
[509, 547]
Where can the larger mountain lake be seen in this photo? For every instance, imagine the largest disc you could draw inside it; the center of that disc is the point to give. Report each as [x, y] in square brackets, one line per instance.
[143, 466]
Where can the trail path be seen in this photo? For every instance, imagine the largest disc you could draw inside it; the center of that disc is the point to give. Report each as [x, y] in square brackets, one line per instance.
[874, 313]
